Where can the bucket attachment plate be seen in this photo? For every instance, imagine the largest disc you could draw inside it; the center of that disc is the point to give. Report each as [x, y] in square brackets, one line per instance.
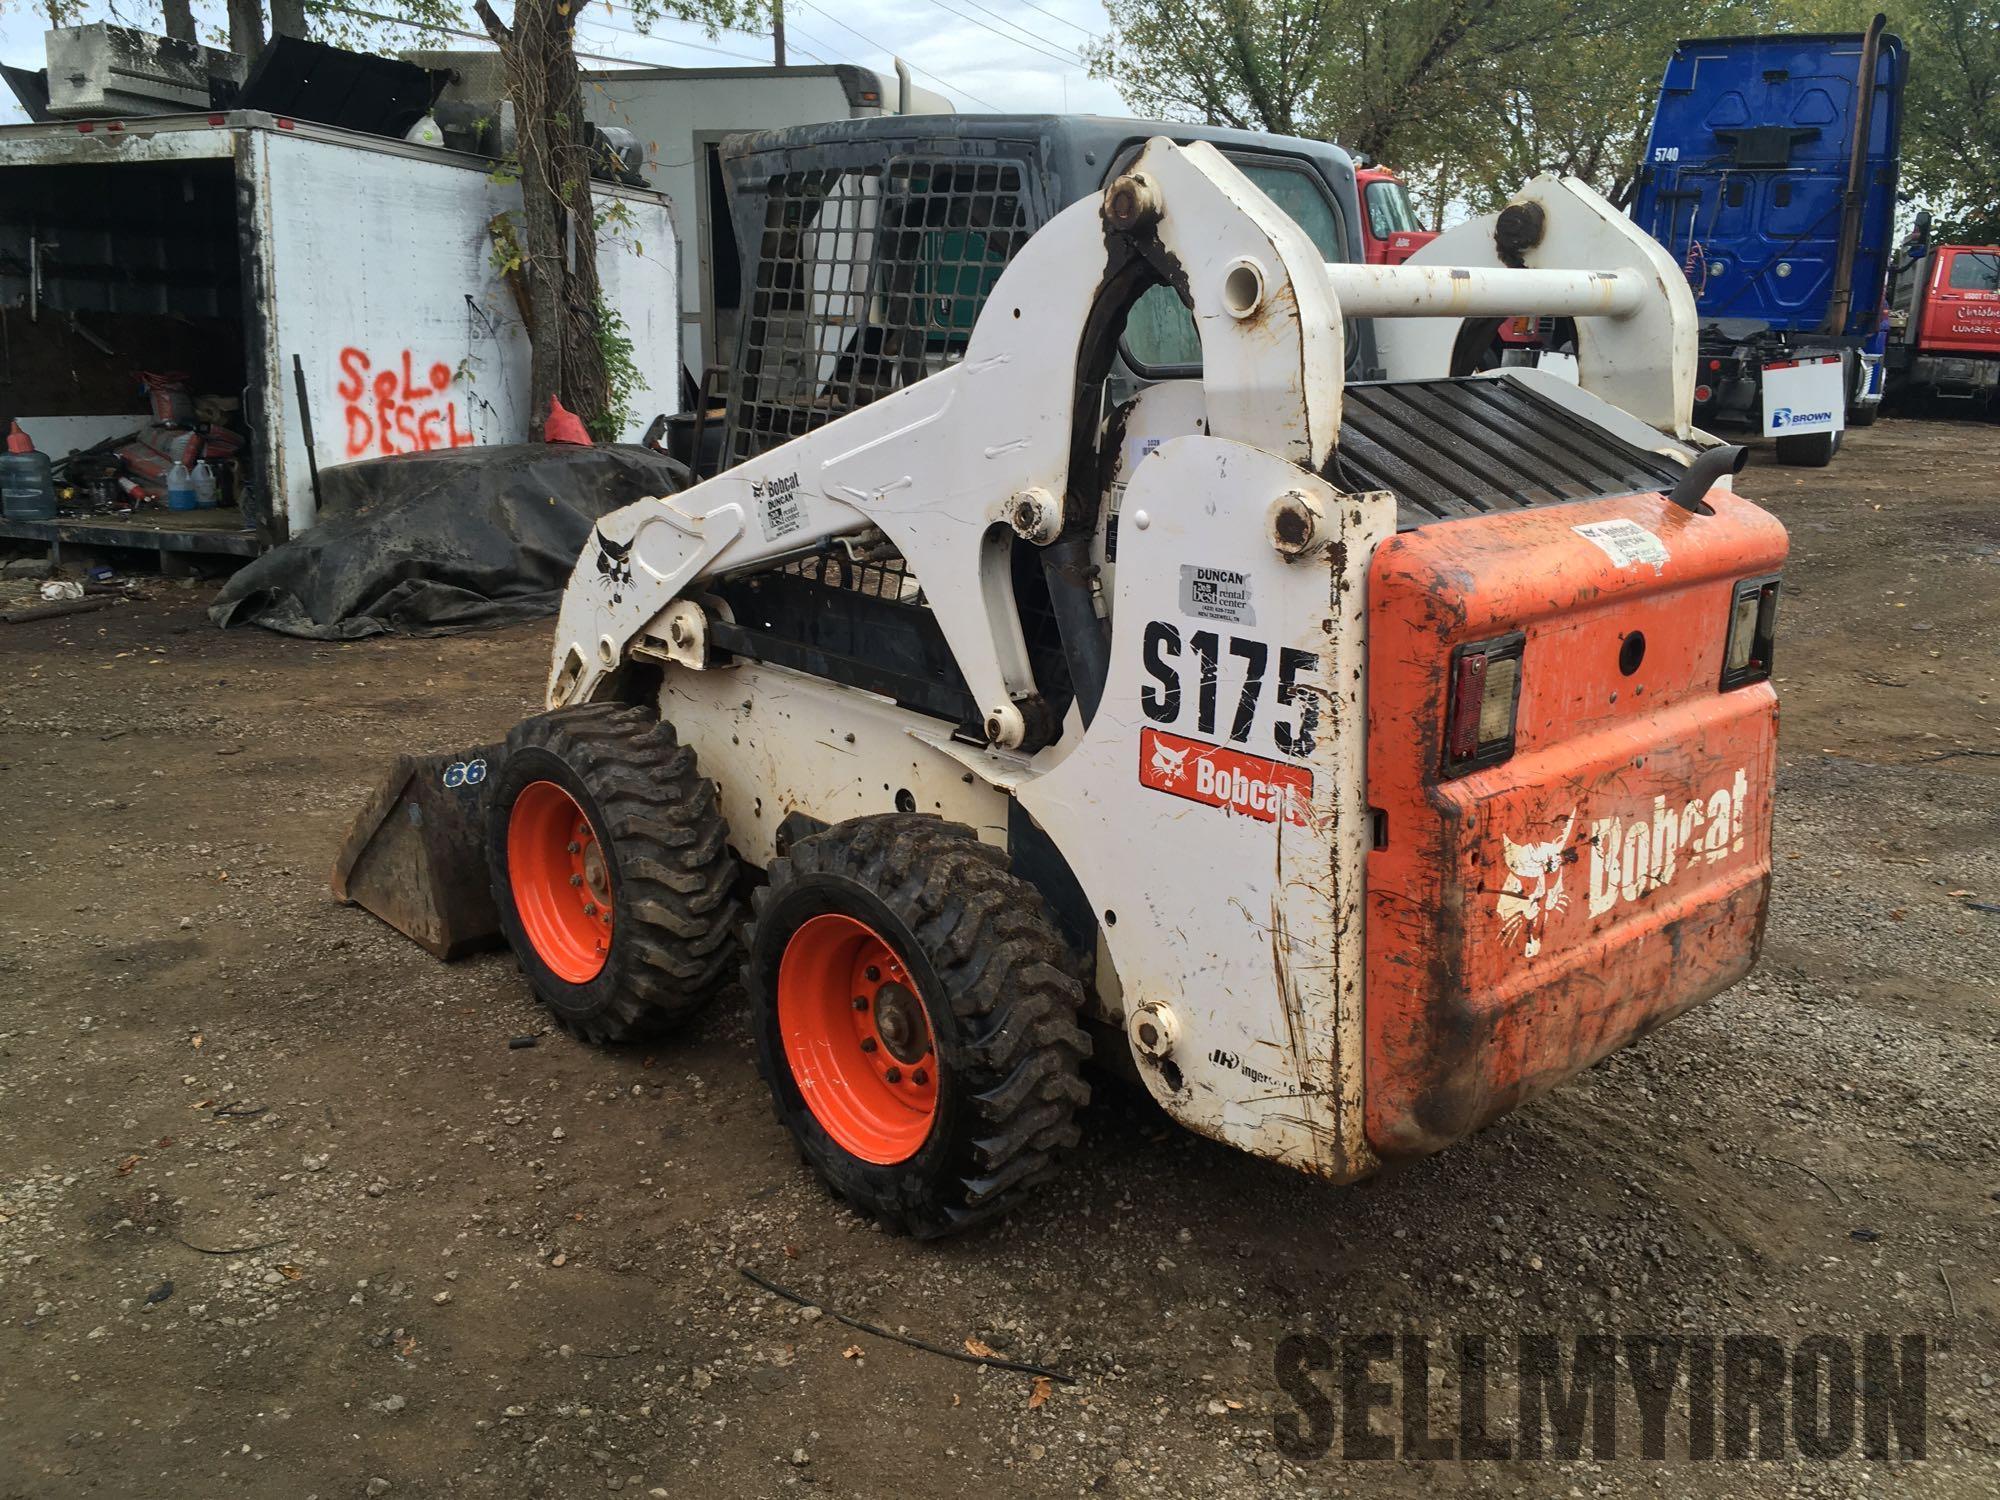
[416, 855]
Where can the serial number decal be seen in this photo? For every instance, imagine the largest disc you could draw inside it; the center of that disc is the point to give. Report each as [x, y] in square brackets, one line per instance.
[1217, 776]
[1293, 715]
[779, 505]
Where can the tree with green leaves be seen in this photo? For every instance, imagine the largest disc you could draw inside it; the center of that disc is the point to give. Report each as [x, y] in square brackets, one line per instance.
[1951, 141]
[570, 328]
[1469, 98]
[1951, 110]
[1458, 93]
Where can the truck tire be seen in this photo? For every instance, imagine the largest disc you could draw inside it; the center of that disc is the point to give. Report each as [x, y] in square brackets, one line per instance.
[1808, 450]
[915, 1016]
[611, 871]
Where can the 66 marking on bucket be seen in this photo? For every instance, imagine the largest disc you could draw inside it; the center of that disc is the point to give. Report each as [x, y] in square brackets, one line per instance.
[1216, 776]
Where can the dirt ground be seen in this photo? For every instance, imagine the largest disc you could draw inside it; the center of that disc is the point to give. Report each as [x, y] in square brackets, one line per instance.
[485, 1271]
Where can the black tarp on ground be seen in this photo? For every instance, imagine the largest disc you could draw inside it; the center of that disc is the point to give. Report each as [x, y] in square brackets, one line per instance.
[454, 539]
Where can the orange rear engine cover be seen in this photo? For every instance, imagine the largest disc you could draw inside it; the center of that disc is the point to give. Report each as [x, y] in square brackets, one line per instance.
[1528, 917]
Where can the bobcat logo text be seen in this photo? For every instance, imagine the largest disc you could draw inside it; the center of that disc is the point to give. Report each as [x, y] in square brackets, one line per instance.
[1629, 857]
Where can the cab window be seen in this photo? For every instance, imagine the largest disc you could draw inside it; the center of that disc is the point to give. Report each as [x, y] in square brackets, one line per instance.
[1975, 271]
[1159, 332]
[1389, 210]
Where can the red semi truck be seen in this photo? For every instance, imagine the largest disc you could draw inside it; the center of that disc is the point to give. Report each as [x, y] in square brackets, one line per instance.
[1944, 323]
[1389, 229]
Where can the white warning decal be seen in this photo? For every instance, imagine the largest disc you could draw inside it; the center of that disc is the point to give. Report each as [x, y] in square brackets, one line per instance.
[779, 504]
[1625, 542]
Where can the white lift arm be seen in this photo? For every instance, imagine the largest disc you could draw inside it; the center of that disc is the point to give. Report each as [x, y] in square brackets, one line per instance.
[949, 469]
[1558, 250]
[1408, 291]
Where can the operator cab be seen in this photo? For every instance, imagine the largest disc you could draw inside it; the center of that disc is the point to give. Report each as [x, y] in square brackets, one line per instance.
[870, 245]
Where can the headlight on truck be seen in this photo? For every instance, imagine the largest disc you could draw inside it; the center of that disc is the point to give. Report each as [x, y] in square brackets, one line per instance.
[1485, 694]
[1753, 624]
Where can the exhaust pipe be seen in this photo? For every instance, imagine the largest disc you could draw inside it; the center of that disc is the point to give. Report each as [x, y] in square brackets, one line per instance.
[1709, 466]
[902, 87]
[1855, 196]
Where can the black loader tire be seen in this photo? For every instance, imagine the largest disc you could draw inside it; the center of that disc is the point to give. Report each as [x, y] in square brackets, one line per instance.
[1000, 991]
[673, 875]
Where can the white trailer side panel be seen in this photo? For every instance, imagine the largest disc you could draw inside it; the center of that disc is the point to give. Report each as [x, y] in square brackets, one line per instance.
[376, 270]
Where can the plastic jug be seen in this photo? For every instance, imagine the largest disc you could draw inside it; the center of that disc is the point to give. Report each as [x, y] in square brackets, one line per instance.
[180, 489]
[27, 480]
[204, 486]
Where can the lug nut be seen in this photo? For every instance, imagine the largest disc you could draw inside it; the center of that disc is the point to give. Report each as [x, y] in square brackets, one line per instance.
[920, 1078]
[861, 1002]
[575, 847]
[868, 1044]
[873, 973]
[894, 1075]
[590, 908]
[576, 880]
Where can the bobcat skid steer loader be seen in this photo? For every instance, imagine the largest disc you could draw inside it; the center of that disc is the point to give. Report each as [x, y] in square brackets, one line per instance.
[1354, 760]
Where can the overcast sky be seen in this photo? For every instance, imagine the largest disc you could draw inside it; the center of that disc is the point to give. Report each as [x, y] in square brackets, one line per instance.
[981, 54]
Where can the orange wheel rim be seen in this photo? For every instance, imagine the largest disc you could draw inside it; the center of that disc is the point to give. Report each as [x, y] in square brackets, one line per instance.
[858, 1038]
[561, 880]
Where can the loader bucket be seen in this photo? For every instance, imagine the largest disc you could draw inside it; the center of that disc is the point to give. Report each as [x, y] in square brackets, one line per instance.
[416, 855]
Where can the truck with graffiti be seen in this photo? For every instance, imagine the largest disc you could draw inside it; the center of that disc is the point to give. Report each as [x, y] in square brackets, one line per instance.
[1944, 324]
[347, 292]
[1770, 176]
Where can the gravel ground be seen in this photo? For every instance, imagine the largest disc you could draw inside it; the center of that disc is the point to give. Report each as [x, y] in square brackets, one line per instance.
[281, 1212]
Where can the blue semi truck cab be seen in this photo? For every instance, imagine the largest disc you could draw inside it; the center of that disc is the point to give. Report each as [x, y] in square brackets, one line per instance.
[1770, 175]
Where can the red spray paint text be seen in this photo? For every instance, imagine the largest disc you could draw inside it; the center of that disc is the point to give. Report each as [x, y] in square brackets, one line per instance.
[388, 411]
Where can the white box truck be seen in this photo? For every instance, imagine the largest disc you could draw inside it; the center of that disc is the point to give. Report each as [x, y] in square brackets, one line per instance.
[679, 117]
[334, 282]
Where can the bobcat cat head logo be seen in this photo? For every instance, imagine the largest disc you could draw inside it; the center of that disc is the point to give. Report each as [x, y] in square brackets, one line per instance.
[1533, 889]
[1171, 764]
[614, 564]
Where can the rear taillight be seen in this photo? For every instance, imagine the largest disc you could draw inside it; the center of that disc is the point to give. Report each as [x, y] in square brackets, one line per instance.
[1485, 694]
[1702, 394]
[1753, 625]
